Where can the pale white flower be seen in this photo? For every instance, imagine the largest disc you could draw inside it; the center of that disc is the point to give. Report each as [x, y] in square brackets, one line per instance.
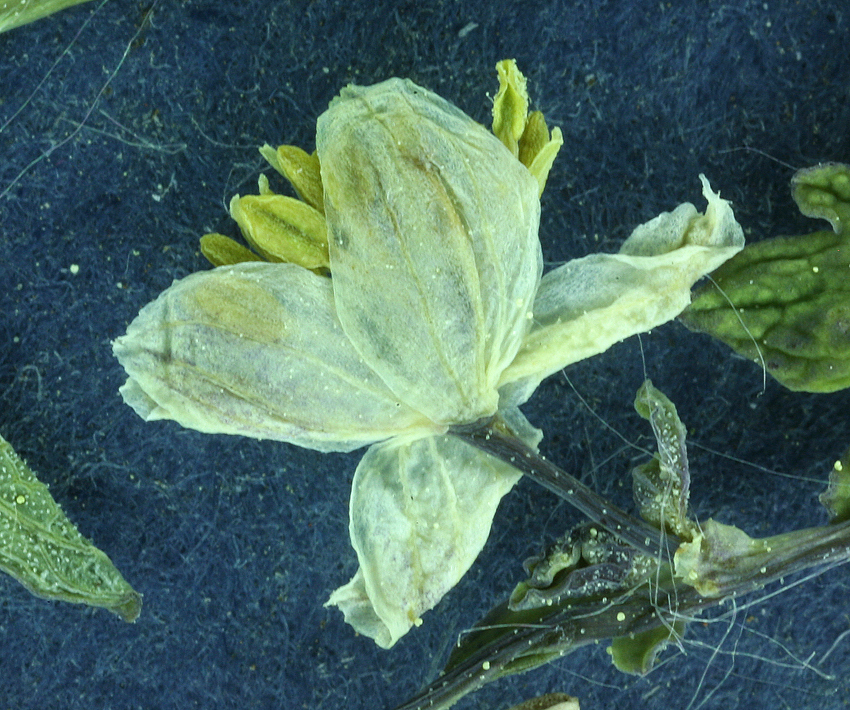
[434, 315]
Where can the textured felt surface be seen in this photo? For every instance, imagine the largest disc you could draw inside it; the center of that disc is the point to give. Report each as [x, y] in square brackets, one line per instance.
[125, 128]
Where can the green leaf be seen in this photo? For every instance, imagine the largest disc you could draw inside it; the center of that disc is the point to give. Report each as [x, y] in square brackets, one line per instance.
[15, 13]
[587, 562]
[662, 486]
[43, 550]
[824, 192]
[637, 653]
[791, 294]
[550, 701]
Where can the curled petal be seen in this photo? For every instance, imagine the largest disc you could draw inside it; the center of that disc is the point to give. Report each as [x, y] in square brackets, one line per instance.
[433, 245]
[585, 306]
[256, 349]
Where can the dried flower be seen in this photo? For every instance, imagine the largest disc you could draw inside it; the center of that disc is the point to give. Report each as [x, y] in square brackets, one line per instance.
[433, 315]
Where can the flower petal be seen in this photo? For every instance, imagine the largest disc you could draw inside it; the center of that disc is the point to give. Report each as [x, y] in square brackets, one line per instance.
[585, 306]
[420, 513]
[433, 240]
[256, 349]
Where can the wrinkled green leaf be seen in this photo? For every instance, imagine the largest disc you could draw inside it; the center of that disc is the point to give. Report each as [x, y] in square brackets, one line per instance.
[791, 294]
[586, 562]
[43, 550]
[823, 192]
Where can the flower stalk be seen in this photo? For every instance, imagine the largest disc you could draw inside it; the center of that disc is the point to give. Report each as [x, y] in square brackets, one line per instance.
[493, 438]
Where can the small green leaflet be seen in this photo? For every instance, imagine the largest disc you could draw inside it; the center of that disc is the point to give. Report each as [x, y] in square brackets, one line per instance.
[43, 550]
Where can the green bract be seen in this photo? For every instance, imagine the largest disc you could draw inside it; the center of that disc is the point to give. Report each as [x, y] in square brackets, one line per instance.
[434, 315]
[791, 295]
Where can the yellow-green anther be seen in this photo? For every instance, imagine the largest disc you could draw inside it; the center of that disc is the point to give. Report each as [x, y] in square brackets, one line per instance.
[824, 192]
[43, 550]
[281, 228]
[220, 250]
[510, 107]
[538, 149]
[524, 134]
[791, 298]
[301, 169]
[534, 138]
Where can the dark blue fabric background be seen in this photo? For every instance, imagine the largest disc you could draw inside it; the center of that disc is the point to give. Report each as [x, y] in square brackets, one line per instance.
[125, 130]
